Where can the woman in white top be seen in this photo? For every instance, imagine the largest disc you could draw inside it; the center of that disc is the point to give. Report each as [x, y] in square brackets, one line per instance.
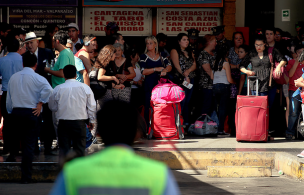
[136, 85]
[221, 90]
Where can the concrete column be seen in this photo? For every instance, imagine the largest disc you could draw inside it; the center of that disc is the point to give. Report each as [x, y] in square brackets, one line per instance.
[229, 18]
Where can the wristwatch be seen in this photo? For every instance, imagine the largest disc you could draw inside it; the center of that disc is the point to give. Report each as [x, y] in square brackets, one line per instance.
[131, 82]
[154, 69]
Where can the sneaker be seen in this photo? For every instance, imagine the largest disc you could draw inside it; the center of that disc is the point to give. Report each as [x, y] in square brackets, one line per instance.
[94, 140]
[301, 155]
[223, 133]
[91, 142]
[288, 136]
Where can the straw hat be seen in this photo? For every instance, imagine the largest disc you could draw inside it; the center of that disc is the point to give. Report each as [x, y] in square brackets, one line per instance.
[31, 36]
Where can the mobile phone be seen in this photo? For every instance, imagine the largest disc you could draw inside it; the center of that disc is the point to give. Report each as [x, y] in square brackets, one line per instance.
[188, 85]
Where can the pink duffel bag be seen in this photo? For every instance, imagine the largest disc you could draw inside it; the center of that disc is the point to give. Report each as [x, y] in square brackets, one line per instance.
[167, 92]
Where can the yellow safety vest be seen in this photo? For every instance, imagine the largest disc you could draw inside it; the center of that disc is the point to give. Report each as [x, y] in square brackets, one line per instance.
[115, 170]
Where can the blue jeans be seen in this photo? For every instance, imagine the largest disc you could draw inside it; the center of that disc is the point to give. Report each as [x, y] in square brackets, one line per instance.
[294, 112]
[271, 95]
[88, 134]
[185, 103]
[221, 96]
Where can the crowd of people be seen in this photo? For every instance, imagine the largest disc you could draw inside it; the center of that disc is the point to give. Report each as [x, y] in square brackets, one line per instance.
[47, 82]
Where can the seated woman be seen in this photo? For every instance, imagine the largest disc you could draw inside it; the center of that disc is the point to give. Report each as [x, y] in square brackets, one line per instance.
[184, 69]
[153, 65]
[124, 71]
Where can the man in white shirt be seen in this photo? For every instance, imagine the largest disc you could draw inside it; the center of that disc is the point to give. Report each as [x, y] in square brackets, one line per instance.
[73, 103]
[73, 32]
[27, 92]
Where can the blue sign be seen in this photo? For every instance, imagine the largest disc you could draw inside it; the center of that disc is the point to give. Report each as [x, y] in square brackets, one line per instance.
[154, 3]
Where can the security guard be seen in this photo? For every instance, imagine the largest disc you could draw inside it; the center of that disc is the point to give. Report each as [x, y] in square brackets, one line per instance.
[222, 42]
[116, 169]
[193, 35]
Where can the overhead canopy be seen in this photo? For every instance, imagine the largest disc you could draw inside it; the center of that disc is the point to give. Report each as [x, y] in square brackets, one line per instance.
[153, 3]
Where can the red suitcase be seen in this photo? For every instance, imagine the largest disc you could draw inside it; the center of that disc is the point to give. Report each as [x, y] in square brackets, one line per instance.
[252, 117]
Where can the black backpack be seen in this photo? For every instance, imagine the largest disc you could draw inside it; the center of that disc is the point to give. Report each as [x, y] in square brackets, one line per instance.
[99, 88]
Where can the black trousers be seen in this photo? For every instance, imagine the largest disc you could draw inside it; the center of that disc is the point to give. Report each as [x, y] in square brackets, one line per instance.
[72, 133]
[47, 131]
[26, 129]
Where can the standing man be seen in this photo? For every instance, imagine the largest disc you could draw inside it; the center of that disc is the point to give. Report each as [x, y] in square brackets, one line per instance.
[193, 35]
[66, 57]
[270, 38]
[73, 32]
[82, 61]
[118, 38]
[222, 42]
[27, 92]
[162, 42]
[73, 103]
[43, 55]
[9, 65]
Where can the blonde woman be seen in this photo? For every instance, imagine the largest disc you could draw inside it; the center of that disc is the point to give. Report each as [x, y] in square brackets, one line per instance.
[105, 73]
[153, 65]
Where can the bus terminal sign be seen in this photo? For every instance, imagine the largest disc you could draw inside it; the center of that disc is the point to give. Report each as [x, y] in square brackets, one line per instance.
[37, 18]
[131, 21]
[172, 21]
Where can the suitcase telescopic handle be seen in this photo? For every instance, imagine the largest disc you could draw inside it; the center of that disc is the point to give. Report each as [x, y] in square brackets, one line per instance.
[257, 84]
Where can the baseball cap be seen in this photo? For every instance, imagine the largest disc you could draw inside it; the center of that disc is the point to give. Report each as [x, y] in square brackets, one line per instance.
[72, 25]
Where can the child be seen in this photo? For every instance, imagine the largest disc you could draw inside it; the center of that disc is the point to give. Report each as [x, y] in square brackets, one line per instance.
[243, 54]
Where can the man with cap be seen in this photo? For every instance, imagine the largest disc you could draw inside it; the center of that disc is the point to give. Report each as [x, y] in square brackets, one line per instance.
[193, 35]
[222, 42]
[44, 56]
[73, 32]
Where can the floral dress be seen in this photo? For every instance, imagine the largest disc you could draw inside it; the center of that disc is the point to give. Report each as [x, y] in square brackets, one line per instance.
[204, 79]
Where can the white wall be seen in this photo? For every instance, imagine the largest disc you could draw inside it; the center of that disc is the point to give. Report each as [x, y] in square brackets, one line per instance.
[296, 14]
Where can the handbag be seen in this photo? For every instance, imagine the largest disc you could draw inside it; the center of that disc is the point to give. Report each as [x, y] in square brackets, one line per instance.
[204, 125]
[279, 79]
[99, 88]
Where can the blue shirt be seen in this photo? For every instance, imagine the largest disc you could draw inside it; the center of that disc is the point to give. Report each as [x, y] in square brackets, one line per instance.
[26, 89]
[79, 66]
[9, 65]
[146, 62]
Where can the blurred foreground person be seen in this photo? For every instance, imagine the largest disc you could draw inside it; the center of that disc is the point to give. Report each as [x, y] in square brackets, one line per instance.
[116, 169]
